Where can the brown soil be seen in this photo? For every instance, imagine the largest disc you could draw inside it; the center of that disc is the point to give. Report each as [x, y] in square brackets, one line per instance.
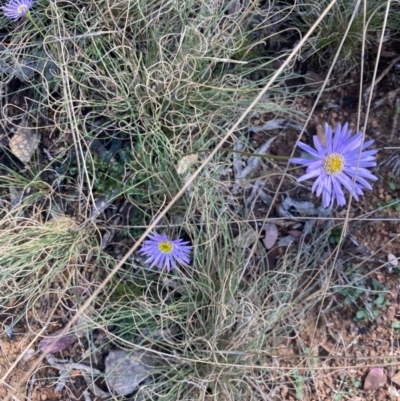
[346, 348]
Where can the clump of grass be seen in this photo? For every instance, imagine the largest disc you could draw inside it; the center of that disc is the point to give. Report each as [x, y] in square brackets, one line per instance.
[216, 332]
[36, 255]
[161, 80]
[365, 30]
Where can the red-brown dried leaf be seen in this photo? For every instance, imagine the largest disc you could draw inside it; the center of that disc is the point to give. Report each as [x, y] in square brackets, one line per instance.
[295, 233]
[56, 342]
[271, 235]
[375, 378]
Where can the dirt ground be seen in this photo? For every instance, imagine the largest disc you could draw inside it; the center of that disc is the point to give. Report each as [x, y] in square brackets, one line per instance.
[348, 348]
[29, 378]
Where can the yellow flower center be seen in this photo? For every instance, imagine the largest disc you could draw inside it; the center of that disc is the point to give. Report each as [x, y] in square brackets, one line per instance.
[165, 247]
[333, 164]
[22, 9]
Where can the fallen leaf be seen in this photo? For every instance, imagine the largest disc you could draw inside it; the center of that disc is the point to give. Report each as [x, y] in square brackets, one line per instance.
[24, 143]
[375, 379]
[295, 233]
[396, 378]
[321, 135]
[313, 80]
[124, 370]
[271, 235]
[393, 260]
[393, 392]
[272, 256]
[246, 239]
[186, 162]
[380, 395]
[56, 342]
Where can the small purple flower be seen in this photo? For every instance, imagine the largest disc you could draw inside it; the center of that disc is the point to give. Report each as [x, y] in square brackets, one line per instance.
[164, 253]
[17, 8]
[336, 164]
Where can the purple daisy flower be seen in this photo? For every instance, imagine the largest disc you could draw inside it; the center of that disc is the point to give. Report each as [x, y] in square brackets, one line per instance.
[17, 8]
[164, 253]
[336, 163]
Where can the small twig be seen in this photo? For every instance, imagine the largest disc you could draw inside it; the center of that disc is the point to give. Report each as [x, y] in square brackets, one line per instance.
[388, 96]
[237, 165]
[86, 395]
[32, 382]
[379, 79]
[47, 153]
[87, 372]
[254, 161]
[276, 124]
[395, 118]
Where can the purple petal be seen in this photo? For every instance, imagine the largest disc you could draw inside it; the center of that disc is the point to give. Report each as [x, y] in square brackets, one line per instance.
[17, 8]
[338, 136]
[328, 133]
[318, 145]
[337, 190]
[367, 144]
[311, 174]
[351, 144]
[295, 160]
[308, 149]
[354, 175]
[168, 260]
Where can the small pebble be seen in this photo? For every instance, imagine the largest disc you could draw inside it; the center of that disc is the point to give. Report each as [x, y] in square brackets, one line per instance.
[393, 260]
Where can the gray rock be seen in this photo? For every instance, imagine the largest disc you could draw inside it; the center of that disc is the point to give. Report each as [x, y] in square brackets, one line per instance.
[125, 370]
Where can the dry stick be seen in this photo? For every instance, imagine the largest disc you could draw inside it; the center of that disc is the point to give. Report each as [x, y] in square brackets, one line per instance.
[180, 193]
[383, 74]
[360, 93]
[369, 99]
[389, 96]
[359, 155]
[335, 252]
[370, 92]
[331, 4]
[395, 118]
[287, 167]
[21, 356]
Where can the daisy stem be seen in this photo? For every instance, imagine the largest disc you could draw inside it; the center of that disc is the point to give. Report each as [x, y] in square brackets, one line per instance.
[29, 17]
[274, 157]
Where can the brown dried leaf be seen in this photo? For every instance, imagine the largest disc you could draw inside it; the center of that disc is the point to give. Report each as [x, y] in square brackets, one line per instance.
[396, 378]
[271, 235]
[186, 162]
[295, 233]
[313, 79]
[321, 134]
[246, 239]
[393, 260]
[56, 342]
[24, 143]
[393, 392]
[272, 257]
[375, 379]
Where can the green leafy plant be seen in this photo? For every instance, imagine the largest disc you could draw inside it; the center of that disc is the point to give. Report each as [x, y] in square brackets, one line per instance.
[368, 295]
[391, 205]
[335, 235]
[348, 387]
